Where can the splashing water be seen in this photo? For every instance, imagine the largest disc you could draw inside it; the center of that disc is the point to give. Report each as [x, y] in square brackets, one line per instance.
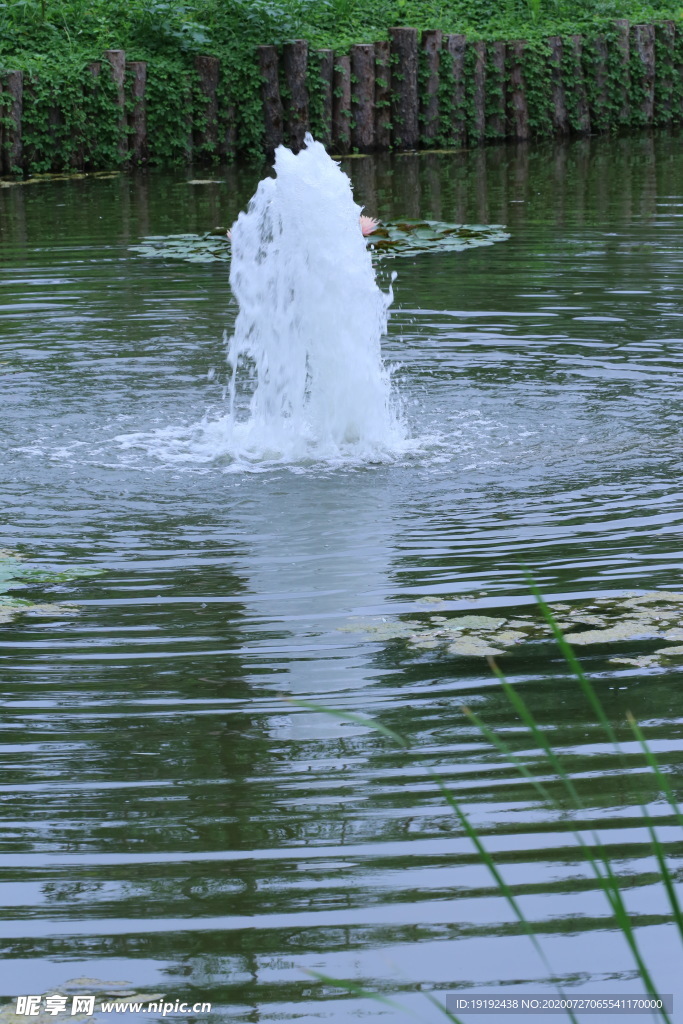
[307, 385]
[311, 319]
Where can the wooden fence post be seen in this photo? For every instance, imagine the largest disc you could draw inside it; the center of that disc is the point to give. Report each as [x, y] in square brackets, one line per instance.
[272, 103]
[583, 119]
[559, 103]
[117, 63]
[623, 43]
[404, 120]
[665, 38]
[598, 106]
[341, 105]
[295, 60]
[455, 47]
[432, 41]
[138, 141]
[205, 136]
[678, 76]
[363, 97]
[326, 72]
[643, 41]
[479, 125]
[11, 146]
[519, 110]
[496, 126]
[382, 95]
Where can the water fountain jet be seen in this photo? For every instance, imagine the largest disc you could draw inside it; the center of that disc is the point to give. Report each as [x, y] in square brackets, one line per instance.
[308, 382]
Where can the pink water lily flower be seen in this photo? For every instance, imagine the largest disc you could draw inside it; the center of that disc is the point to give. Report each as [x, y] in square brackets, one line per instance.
[367, 225]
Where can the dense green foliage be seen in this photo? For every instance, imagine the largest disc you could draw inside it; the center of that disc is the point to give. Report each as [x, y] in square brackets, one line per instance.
[55, 41]
[171, 27]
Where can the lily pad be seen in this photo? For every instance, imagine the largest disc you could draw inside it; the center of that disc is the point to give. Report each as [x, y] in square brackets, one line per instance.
[207, 248]
[59, 1004]
[17, 573]
[399, 238]
[473, 647]
[476, 622]
[629, 629]
[655, 615]
[411, 237]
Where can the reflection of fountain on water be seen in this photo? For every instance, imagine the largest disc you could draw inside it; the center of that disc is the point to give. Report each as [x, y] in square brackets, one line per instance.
[308, 381]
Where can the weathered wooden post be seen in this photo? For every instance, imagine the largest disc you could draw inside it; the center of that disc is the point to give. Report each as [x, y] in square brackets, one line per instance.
[404, 107]
[559, 104]
[455, 46]
[665, 40]
[80, 158]
[295, 59]
[432, 42]
[227, 130]
[643, 42]
[598, 105]
[117, 64]
[341, 105]
[479, 99]
[382, 95]
[623, 43]
[325, 59]
[519, 110]
[496, 126]
[11, 150]
[205, 134]
[272, 103]
[363, 97]
[678, 76]
[583, 120]
[138, 151]
[188, 102]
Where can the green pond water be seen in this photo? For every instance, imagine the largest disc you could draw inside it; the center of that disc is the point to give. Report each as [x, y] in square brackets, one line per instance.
[171, 822]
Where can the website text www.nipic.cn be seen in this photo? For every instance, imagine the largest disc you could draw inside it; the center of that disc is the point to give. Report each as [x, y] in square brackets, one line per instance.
[31, 1006]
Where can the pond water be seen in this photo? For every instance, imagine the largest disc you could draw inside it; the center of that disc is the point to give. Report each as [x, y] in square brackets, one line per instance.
[170, 820]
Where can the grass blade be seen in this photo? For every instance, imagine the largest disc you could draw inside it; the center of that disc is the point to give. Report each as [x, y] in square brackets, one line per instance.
[652, 761]
[347, 716]
[364, 993]
[574, 664]
[502, 885]
[666, 874]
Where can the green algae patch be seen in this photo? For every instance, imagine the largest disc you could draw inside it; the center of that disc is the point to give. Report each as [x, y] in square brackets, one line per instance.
[614, 622]
[18, 573]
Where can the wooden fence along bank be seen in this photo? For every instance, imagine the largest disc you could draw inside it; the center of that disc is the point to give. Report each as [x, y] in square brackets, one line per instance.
[412, 91]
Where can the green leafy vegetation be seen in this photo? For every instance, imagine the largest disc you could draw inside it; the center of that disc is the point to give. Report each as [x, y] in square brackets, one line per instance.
[70, 114]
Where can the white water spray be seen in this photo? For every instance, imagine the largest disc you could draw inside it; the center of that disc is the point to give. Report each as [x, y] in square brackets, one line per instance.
[311, 319]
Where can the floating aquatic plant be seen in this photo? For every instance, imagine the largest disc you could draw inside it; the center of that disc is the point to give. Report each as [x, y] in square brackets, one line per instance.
[17, 573]
[410, 237]
[52, 1008]
[36, 179]
[400, 238]
[651, 616]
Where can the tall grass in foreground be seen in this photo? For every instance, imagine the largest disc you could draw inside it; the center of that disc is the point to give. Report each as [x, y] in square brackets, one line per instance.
[595, 854]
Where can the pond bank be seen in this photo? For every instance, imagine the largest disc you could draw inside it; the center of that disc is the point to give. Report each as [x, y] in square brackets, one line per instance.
[425, 90]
